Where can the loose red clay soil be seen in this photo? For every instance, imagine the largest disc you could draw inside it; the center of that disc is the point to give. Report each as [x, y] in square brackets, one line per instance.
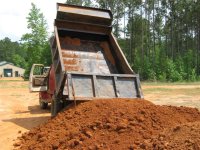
[116, 125]
[186, 136]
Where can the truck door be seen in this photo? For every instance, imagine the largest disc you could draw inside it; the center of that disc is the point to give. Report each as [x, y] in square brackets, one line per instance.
[38, 78]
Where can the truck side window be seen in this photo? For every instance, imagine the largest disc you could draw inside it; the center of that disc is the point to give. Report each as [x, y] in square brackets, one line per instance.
[46, 70]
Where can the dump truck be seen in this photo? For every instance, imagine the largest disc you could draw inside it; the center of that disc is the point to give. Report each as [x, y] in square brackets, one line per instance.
[87, 62]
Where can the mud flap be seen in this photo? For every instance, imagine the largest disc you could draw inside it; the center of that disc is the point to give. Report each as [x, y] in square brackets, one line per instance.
[56, 106]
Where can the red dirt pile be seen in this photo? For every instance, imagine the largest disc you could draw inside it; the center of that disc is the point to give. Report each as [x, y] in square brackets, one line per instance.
[186, 136]
[113, 124]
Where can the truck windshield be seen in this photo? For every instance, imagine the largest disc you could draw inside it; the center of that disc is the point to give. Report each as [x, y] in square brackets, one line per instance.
[38, 70]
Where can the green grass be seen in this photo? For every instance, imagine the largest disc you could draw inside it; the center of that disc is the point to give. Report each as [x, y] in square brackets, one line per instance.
[170, 91]
[169, 83]
[189, 92]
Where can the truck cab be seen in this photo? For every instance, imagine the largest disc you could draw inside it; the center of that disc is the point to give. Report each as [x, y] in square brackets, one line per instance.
[39, 82]
[38, 78]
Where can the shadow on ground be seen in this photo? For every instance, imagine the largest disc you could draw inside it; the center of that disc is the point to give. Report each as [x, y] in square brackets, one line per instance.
[35, 110]
[28, 123]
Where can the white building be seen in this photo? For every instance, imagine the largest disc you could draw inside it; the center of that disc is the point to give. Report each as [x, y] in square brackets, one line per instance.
[10, 70]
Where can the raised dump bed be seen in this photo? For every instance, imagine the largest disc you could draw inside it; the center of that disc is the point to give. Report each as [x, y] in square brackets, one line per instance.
[87, 60]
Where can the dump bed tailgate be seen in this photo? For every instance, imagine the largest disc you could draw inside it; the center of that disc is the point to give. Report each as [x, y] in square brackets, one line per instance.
[91, 86]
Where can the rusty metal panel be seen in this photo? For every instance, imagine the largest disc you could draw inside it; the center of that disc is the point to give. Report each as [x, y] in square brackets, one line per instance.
[82, 86]
[80, 27]
[84, 14]
[91, 86]
[65, 89]
[140, 93]
[84, 11]
[87, 64]
[86, 56]
[126, 87]
[122, 61]
[105, 87]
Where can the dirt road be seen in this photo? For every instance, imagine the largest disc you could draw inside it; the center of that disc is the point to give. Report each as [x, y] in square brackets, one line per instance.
[19, 110]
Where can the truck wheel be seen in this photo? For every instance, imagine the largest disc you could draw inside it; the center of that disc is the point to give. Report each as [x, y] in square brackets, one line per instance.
[43, 105]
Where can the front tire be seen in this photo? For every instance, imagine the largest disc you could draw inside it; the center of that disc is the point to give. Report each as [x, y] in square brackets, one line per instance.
[43, 105]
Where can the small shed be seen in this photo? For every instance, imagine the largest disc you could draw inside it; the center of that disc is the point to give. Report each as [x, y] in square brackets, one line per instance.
[10, 70]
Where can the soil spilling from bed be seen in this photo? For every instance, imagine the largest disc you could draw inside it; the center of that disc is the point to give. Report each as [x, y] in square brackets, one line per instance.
[115, 125]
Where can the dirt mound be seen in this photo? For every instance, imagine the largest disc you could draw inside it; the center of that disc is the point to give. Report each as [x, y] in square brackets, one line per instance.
[103, 124]
[186, 136]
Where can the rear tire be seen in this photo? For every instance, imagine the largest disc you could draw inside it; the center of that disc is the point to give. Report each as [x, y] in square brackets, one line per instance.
[43, 105]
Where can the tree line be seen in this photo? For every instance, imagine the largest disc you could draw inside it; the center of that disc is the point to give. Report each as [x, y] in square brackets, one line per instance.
[160, 38]
[32, 48]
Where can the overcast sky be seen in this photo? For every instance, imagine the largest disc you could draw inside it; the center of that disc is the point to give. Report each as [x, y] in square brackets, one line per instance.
[13, 13]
